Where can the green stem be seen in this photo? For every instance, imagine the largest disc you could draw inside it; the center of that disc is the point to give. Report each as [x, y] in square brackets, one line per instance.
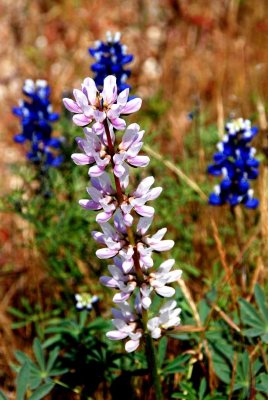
[152, 364]
[149, 346]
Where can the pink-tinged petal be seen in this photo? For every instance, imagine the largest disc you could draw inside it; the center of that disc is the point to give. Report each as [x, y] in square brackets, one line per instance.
[119, 170]
[116, 335]
[164, 245]
[114, 111]
[124, 179]
[159, 235]
[166, 266]
[127, 266]
[129, 136]
[143, 225]
[144, 211]
[122, 97]
[128, 219]
[168, 306]
[165, 291]
[81, 159]
[121, 325]
[144, 186]
[132, 345]
[98, 128]
[138, 161]
[131, 106]
[81, 99]
[120, 297]
[109, 93]
[154, 193]
[81, 120]
[174, 275]
[96, 171]
[99, 116]
[89, 204]
[118, 123]
[105, 253]
[71, 105]
[94, 194]
[134, 149]
[108, 281]
[98, 237]
[103, 217]
[91, 90]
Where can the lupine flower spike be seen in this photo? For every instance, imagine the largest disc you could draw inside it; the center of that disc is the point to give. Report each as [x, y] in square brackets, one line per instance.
[236, 162]
[124, 215]
[36, 116]
[111, 57]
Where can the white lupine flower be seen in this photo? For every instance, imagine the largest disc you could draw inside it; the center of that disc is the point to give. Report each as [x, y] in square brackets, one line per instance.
[85, 301]
[168, 318]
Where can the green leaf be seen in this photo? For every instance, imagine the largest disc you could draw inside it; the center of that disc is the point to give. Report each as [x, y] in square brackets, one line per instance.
[253, 332]
[162, 348]
[39, 354]
[23, 381]
[17, 313]
[249, 310]
[261, 301]
[2, 396]
[50, 341]
[52, 358]
[177, 365]
[202, 389]
[262, 383]
[42, 391]
[23, 358]
[59, 371]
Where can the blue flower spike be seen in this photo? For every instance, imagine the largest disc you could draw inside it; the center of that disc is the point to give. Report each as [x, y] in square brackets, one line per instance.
[235, 161]
[36, 116]
[111, 57]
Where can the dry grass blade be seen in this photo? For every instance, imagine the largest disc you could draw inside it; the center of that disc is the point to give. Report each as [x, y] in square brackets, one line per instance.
[226, 318]
[228, 269]
[192, 184]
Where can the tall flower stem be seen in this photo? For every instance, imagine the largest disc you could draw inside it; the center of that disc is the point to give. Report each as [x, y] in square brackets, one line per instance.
[149, 346]
[238, 232]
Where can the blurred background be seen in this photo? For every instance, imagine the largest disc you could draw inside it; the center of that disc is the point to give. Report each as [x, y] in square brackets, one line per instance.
[202, 56]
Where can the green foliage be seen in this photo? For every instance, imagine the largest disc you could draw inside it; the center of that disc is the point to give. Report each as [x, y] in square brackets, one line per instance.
[36, 378]
[257, 319]
[73, 347]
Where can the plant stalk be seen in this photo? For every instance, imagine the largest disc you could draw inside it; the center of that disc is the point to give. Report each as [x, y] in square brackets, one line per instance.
[149, 346]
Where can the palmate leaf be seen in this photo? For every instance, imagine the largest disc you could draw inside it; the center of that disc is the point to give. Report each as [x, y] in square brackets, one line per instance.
[177, 365]
[42, 391]
[256, 319]
[39, 354]
[23, 381]
[261, 301]
[262, 383]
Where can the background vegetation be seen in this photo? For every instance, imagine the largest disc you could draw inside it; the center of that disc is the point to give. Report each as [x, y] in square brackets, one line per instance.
[207, 58]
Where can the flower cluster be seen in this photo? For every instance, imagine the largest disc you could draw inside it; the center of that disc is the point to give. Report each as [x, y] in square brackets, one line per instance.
[36, 116]
[84, 301]
[235, 161]
[111, 57]
[124, 215]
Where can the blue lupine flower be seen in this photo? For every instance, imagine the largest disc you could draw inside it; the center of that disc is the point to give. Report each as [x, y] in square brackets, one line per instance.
[36, 116]
[111, 57]
[236, 163]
